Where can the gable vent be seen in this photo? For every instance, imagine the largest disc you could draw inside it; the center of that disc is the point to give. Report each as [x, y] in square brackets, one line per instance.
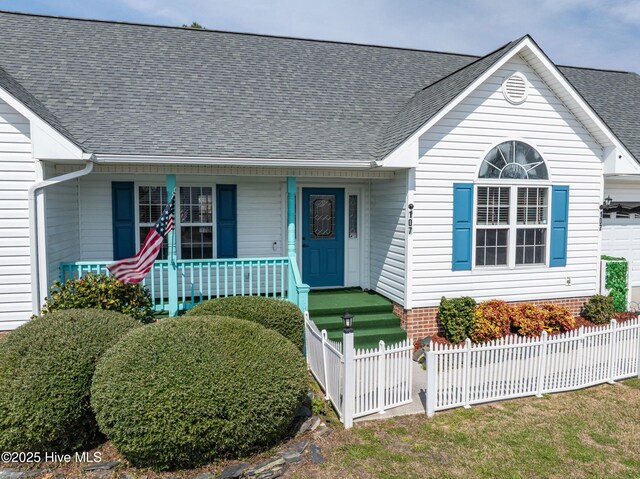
[515, 88]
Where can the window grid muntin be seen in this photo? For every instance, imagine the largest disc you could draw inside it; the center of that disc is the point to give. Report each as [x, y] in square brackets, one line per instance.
[512, 226]
[513, 160]
[196, 222]
[493, 205]
[531, 246]
[492, 246]
[532, 206]
[196, 242]
[152, 200]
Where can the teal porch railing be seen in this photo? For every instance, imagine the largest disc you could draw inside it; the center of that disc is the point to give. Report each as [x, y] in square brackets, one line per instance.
[212, 278]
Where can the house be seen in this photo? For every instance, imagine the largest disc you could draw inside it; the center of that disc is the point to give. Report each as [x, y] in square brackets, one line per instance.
[304, 164]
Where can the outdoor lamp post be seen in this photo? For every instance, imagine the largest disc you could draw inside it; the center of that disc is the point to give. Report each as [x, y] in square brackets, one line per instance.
[607, 201]
[348, 351]
[347, 321]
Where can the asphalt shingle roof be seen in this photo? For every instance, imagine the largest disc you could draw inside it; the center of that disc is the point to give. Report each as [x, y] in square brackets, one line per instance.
[615, 97]
[119, 88]
[427, 102]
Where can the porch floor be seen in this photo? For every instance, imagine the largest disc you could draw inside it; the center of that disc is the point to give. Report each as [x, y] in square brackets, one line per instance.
[373, 318]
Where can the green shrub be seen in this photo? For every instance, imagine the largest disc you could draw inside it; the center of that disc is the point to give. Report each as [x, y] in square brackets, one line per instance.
[101, 292]
[529, 319]
[599, 309]
[184, 391]
[279, 315]
[491, 320]
[616, 281]
[559, 318]
[46, 367]
[455, 316]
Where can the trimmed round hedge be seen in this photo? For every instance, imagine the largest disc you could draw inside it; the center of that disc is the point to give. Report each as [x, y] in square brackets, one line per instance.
[282, 316]
[46, 368]
[185, 391]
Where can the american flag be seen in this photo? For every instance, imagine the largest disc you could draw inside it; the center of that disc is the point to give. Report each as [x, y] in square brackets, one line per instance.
[134, 269]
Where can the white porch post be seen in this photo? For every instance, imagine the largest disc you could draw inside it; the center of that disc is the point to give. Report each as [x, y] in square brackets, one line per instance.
[172, 255]
[292, 291]
[349, 395]
[291, 215]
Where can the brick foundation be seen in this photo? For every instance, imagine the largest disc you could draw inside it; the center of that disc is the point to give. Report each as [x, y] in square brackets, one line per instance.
[421, 322]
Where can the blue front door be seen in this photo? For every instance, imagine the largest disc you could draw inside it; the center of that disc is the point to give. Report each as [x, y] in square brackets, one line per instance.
[323, 236]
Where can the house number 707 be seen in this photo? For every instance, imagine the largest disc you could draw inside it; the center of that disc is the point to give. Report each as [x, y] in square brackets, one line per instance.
[410, 220]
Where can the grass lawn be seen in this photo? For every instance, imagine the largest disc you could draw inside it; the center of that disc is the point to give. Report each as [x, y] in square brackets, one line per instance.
[593, 432]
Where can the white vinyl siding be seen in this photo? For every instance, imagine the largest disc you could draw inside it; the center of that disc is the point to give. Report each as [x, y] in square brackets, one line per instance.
[452, 151]
[388, 207]
[17, 174]
[62, 225]
[96, 233]
[261, 221]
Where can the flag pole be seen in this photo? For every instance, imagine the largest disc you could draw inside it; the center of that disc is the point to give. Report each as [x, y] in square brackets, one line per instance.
[172, 255]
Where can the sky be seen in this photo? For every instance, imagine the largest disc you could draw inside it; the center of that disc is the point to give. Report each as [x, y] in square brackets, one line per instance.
[591, 33]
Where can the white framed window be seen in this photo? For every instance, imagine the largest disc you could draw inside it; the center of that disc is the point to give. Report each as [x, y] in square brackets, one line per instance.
[512, 208]
[193, 222]
[492, 225]
[532, 215]
[152, 200]
[196, 222]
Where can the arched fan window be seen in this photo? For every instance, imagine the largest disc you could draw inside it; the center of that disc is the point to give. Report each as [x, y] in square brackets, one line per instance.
[513, 160]
[511, 217]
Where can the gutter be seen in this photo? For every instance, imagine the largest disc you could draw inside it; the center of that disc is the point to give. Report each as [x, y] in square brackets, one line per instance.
[232, 161]
[33, 224]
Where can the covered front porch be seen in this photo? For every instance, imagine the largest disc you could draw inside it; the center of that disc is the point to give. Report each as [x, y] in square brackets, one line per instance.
[239, 231]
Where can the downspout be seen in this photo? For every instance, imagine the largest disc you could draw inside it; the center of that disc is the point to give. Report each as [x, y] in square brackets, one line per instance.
[33, 225]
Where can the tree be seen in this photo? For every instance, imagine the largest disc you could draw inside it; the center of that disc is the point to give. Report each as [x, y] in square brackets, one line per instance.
[193, 25]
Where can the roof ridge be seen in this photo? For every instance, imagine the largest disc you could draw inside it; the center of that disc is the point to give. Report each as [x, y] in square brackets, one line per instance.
[610, 70]
[229, 32]
[285, 37]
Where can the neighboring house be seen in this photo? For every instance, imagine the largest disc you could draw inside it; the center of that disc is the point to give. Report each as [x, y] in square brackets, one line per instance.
[416, 174]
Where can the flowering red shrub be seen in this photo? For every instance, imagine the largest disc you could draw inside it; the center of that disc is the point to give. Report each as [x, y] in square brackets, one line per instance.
[559, 318]
[529, 320]
[626, 316]
[491, 320]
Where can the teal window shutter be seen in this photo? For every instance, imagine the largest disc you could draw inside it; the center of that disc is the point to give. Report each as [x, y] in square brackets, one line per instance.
[227, 221]
[123, 219]
[462, 226]
[559, 225]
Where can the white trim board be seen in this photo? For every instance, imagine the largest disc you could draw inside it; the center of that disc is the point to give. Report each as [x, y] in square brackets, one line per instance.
[47, 143]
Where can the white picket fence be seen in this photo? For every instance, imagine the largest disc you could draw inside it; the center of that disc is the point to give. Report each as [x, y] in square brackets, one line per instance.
[516, 366]
[325, 360]
[359, 382]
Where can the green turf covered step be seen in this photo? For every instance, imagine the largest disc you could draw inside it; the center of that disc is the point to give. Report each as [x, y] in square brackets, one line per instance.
[354, 310]
[336, 302]
[372, 336]
[364, 321]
